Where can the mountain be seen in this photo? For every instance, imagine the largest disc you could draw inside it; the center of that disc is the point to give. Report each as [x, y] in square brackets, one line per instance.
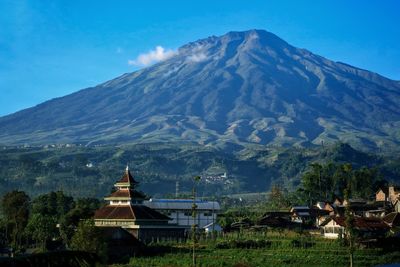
[242, 88]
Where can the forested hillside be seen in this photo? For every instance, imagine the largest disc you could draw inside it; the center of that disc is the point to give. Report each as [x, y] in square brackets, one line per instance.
[91, 171]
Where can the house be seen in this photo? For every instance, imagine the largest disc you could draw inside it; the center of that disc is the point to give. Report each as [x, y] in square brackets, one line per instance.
[180, 210]
[306, 215]
[394, 193]
[377, 209]
[363, 208]
[354, 202]
[392, 219]
[300, 214]
[125, 209]
[396, 206]
[369, 228]
[242, 224]
[382, 194]
[389, 194]
[337, 201]
[279, 219]
[331, 228]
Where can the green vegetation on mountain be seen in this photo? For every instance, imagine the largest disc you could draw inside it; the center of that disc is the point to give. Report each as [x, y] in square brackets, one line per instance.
[91, 171]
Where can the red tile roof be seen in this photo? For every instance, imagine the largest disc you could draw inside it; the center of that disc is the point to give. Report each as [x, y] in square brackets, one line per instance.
[127, 193]
[127, 178]
[129, 212]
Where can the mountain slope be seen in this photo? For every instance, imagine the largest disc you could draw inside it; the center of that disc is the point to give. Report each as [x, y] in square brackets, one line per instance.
[243, 87]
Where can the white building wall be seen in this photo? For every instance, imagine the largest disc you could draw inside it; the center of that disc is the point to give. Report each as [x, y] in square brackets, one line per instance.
[181, 214]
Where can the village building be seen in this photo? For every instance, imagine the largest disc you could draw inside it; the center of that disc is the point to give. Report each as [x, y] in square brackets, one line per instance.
[370, 228]
[277, 219]
[313, 216]
[337, 201]
[382, 195]
[363, 208]
[392, 219]
[388, 194]
[125, 209]
[329, 207]
[396, 206]
[354, 202]
[180, 211]
[300, 214]
[394, 193]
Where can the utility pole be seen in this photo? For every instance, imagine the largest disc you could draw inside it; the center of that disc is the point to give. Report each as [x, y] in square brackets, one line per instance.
[194, 216]
[176, 189]
[349, 217]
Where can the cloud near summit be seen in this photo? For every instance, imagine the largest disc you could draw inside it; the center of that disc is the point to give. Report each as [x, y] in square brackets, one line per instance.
[153, 56]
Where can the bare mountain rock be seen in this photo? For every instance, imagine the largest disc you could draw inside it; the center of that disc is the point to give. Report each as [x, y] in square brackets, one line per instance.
[243, 87]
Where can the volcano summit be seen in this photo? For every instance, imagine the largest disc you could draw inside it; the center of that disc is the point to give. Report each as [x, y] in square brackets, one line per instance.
[243, 87]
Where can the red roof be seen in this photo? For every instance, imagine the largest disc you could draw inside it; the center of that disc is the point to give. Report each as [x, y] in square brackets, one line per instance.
[127, 178]
[129, 212]
[127, 193]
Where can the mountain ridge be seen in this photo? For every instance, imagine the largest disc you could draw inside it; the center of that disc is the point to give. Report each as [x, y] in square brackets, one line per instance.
[245, 88]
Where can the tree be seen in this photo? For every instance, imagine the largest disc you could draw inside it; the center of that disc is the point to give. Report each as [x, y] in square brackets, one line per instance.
[315, 183]
[341, 178]
[53, 204]
[15, 207]
[88, 238]
[277, 199]
[41, 228]
[365, 182]
[84, 209]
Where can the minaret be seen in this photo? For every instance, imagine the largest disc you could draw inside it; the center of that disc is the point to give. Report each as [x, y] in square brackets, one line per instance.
[126, 193]
[125, 209]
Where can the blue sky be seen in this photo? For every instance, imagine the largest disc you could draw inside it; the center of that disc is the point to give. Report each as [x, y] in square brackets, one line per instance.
[51, 48]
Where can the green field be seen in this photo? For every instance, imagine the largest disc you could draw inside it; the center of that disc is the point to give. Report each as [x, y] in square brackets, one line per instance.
[283, 249]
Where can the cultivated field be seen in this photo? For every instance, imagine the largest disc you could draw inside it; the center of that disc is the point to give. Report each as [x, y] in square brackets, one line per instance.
[255, 249]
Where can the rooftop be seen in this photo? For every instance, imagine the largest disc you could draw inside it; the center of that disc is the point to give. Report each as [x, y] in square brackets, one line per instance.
[127, 178]
[131, 212]
[126, 194]
[181, 204]
[361, 223]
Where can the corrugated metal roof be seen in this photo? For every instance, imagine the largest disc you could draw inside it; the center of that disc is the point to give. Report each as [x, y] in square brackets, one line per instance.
[181, 204]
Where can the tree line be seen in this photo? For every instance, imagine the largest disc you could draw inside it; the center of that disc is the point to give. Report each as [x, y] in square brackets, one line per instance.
[52, 221]
[327, 181]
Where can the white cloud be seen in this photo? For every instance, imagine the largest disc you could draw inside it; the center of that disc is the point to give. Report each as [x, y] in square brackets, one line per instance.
[153, 56]
[199, 57]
